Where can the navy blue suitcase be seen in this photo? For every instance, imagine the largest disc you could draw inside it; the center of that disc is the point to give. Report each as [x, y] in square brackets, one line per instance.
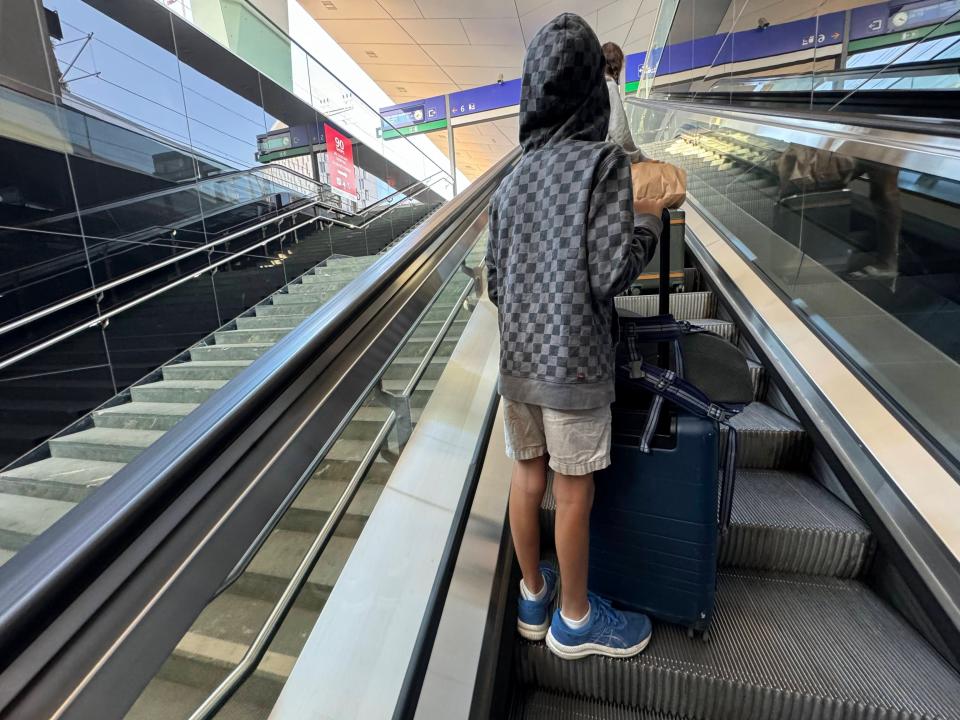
[654, 531]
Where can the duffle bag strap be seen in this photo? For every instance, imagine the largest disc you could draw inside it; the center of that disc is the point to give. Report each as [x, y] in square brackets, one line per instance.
[666, 384]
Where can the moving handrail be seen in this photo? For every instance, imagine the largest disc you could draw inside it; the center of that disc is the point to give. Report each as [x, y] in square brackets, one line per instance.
[904, 142]
[768, 83]
[126, 572]
[99, 289]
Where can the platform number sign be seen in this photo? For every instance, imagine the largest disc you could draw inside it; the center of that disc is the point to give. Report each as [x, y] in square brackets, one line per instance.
[341, 173]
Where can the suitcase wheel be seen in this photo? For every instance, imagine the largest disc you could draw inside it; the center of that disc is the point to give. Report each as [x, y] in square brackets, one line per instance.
[693, 632]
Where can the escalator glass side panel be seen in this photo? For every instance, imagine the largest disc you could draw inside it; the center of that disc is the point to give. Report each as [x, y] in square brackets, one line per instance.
[365, 453]
[864, 249]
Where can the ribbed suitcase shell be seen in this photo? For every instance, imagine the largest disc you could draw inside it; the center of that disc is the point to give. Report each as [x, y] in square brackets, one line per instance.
[653, 528]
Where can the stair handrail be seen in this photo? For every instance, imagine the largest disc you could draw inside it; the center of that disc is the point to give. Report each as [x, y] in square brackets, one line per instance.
[271, 625]
[83, 599]
[105, 316]
[258, 648]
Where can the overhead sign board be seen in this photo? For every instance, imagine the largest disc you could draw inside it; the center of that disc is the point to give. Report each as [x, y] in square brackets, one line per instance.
[485, 98]
[894, 17]
[413, 117]
[341, 173]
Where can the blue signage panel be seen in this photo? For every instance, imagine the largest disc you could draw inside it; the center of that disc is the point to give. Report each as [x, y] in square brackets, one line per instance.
[788, 37]
[414, 112]
[633, 66]
[485, 97]
[889, 17]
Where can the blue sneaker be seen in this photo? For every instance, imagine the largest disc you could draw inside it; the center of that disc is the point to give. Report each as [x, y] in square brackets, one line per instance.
[609, 632]
[533, 616]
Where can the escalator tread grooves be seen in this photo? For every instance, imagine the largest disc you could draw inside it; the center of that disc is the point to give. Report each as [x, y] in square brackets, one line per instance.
[782, 646]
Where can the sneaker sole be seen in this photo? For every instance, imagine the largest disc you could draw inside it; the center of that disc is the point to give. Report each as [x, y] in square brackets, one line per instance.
[576, 652]
[536, 633]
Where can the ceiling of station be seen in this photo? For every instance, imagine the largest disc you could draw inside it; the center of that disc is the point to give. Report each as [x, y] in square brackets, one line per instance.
[420, 48]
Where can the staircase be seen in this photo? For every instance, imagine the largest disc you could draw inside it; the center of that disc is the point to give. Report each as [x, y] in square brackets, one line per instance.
[56, 476]
[797, 631]
[223, 632]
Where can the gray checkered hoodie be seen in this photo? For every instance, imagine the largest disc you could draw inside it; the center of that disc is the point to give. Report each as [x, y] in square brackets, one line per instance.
[563, 237]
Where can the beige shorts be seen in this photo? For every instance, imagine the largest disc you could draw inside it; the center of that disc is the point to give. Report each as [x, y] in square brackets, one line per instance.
[578, 441]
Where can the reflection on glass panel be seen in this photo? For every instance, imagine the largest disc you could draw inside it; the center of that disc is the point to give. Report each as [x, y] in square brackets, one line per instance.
[40, 396]
[43, 250]
[156, 330]
[866, 249]
[223, 124]
[111, 67]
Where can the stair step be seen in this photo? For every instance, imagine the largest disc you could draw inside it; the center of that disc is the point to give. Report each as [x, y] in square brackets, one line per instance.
[314, 503]
[780, 521]
[176, 391]
[780, 647]
[320, 283]
[315, 297]
[766, 438]
[216, 353]
[164, 699]
[683, 306]
[258, 336]
[58, 478]
[140, 415]
[269, 321]
[205, 370]
[324, 276]
[109, 444]
[402, 368]
[22, 518]
[275, 563]
[221, 635]
[300, 310]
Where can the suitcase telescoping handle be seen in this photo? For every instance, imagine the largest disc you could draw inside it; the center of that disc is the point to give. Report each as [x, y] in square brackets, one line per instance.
[663, 292]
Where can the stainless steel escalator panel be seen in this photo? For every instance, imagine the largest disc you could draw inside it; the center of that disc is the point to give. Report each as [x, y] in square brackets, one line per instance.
[357, 657]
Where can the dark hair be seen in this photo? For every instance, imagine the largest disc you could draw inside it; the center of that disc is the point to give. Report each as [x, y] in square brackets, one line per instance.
[613, 56]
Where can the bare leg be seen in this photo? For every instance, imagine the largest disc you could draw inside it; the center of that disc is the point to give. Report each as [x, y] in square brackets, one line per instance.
[527, 487]
[574, 499]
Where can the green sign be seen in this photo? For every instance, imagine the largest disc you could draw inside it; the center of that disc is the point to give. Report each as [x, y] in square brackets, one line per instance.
[922, 33]
[391, 133]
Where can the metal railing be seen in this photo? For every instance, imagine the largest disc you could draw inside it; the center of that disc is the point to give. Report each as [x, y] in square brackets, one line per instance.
[90, 609]
[100, 289]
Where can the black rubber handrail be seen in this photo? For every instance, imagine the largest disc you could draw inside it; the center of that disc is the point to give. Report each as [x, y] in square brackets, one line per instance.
[90, 600]
[789, 104]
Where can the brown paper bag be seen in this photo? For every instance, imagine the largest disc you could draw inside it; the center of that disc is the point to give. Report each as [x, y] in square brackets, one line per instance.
[659, 181]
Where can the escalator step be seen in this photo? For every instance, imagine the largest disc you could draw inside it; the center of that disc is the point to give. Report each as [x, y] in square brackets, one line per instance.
[544, 705]
[723, 328]
[683, 306]
[784, 521]
[766, 438]
[781, 521]
[780, 647]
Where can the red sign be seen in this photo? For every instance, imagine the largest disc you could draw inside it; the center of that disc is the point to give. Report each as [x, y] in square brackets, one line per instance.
[340, 171]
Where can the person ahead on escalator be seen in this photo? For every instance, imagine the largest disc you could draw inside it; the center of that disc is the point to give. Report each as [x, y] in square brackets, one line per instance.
[564, 240]
[619, 129]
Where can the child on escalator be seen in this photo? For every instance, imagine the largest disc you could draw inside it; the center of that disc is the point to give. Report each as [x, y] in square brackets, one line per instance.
[565, 237]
